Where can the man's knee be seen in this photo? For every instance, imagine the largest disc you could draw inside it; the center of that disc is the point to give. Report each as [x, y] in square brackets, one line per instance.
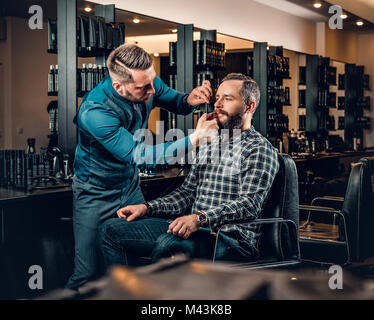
[168, 245]
[107, 231]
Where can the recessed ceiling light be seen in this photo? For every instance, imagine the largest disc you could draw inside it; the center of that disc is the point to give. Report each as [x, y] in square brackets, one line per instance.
[317, 4]
[156, 54]
[360, 23]
[136, 20]
[87, 9]
[174, 30]
[344, 16]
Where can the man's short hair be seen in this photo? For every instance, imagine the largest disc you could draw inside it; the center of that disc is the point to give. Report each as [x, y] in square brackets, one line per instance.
[249, 91]
[127, 56]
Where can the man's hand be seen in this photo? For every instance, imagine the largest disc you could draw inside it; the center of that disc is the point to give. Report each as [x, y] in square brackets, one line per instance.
[200, 95]
[133, 212]
[205, 132]
[184, 226]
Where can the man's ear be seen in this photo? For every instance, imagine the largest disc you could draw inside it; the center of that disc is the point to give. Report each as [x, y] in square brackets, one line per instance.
[117, 86]
[251, 107]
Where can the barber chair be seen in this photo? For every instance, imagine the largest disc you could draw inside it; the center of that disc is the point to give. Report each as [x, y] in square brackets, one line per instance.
[340, 229]
[279, 221]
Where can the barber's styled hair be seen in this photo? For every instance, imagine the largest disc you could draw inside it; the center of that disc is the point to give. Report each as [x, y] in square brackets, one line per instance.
[249, 91]
[128, 56]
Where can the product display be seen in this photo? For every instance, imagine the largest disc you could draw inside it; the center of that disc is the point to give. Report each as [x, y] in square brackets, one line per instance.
[172, 54]
[209, 53]
[278, 67]
[363, 103]
[341, 103]
[302, 75]
[341, 83]
[279, 96]
[277, 124]
[302, 101]
[302, 122]
[52, 36]
[341, 123]
[94, 36]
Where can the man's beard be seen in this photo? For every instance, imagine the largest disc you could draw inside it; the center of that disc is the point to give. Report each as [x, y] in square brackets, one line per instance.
[234, 121]
[131, 98]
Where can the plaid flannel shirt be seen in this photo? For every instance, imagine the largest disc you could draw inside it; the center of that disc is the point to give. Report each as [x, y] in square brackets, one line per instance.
[229, 181]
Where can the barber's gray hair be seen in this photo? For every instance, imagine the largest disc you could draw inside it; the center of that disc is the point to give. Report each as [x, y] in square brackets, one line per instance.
[249, 91]
[128, 56]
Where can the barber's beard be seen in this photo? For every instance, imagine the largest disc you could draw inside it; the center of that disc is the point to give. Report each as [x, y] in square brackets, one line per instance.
[132, 98]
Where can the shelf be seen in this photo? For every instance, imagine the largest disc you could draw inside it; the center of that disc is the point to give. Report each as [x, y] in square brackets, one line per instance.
[198, 67]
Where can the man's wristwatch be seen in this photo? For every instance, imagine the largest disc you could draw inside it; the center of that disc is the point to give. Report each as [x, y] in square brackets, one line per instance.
[149, 208]
[202, 219]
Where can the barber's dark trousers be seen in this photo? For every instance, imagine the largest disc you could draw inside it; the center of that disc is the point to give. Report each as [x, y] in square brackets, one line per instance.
[146, 240]
[93, 205]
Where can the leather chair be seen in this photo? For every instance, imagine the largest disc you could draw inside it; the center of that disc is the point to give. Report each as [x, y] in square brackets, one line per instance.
[355, 212]
[279, 221]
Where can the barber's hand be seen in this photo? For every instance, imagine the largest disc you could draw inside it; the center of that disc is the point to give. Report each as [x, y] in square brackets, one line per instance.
[184, 226]
[205, 132]
[133, 212]
[200, 95]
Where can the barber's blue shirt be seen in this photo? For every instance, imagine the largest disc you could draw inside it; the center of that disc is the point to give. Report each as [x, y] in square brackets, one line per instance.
[107, 153]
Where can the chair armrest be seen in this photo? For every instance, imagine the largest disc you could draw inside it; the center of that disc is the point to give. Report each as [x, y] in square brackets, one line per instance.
[318, 209]
[332, 199]
[260, 221]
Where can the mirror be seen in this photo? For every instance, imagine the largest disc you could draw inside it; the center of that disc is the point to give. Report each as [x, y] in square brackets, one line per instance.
[24, 65]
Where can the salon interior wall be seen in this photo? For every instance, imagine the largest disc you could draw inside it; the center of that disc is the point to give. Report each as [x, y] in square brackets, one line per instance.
[23, 86]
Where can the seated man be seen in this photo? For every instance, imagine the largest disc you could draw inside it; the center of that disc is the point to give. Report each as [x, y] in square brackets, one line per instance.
[215, 193]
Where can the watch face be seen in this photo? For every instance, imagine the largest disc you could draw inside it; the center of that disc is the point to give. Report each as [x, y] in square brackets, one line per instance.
[202, 219]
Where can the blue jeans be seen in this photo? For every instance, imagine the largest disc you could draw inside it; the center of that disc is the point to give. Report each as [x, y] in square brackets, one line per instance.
[92, 205]
[146, 240]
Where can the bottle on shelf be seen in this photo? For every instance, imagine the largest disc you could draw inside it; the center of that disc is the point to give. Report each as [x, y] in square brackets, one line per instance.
[51, 78]
[99, 73]
[30, 146]
[292, 142]
[56, 79]
[83, 78]
[95, 76]
[89, 77]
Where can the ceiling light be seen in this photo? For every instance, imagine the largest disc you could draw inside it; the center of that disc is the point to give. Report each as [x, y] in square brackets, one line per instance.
[174, 30]
[87, 9]
[317, 4]
[136, 20]
[156, 54]
[344, 16]
[360, 23]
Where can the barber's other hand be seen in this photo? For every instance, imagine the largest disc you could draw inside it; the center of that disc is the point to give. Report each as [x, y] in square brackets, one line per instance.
[184, 226]
[205, 132]
[200, 95]
[133, 212]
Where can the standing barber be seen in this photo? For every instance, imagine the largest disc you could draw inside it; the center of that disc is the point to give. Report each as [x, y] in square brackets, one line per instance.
[106, 175]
